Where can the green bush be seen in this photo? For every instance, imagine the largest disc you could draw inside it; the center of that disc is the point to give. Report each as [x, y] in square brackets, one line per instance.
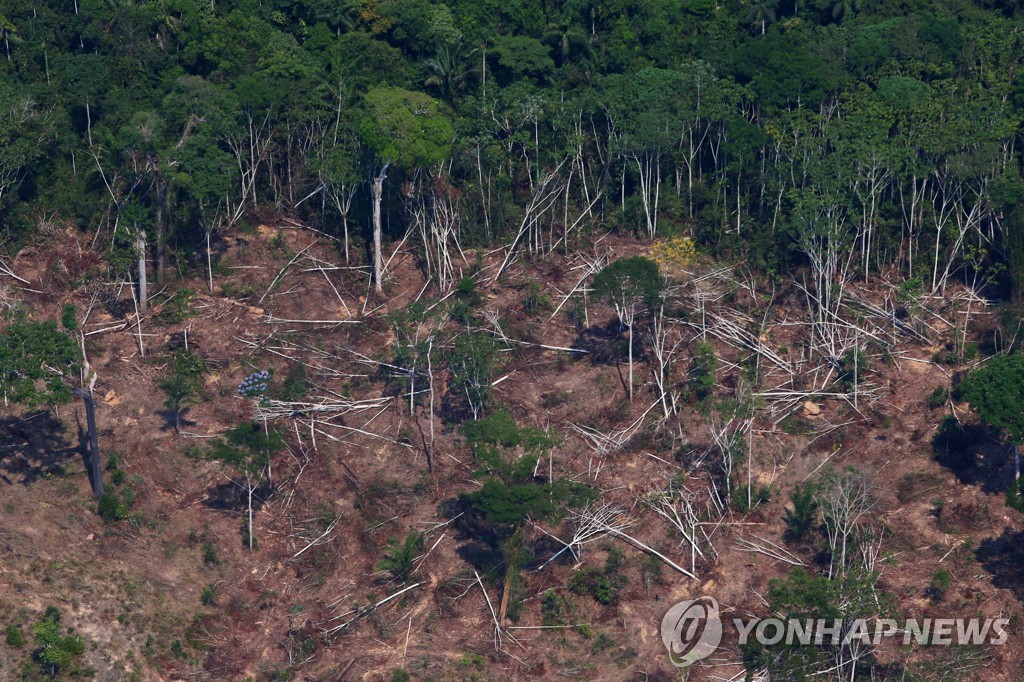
[210, 557]
[208, 595]
[178, 307]
[758, 495]
[535, 300]
[15, 637]
[69, 317]
[599, 586]
[466, 299]
[473, 360]
[56, 653]
[111, 507]
[604, 585]
[936, 398]
[295, 386]
[852, 366]
[702, 374]
[400, 555]
[552, 609]
[796, 425]
[942, 580]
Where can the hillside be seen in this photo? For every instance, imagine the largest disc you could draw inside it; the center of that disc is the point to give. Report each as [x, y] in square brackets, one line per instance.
[465, 340]
[172, 591]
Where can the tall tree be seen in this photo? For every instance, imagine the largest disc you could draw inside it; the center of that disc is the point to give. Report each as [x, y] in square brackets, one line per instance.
[37, 365]
[996, 391]
[630, 285]
[406, 129]
[248, 449]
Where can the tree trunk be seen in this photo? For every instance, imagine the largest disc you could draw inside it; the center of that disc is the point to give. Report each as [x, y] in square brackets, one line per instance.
[94, 443]
[248, 485]
[505, 593]
[378, 259]
[161, 231]
[630, 362]
[209, 262]
[141, 248]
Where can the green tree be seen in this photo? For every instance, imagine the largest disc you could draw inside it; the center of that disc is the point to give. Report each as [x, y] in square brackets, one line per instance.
[802, 518]
[36, 362]
[406, 129]
[55, 652]
[248, 450]
[179, 389]
[473, 359]
[701, 380]
[996, 391]
[631, 286]
[507, 455]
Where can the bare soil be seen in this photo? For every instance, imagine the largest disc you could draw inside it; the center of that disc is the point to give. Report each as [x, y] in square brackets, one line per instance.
[133, 588]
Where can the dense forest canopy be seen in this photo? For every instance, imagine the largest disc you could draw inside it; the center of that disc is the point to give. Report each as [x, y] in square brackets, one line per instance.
[856, 138]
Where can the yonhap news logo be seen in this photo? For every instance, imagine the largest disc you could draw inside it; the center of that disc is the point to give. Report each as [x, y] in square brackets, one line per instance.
[692, 630]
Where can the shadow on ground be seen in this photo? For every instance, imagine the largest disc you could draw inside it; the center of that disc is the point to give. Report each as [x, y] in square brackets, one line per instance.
[1003, 557]
[973, 455]
[34, 446]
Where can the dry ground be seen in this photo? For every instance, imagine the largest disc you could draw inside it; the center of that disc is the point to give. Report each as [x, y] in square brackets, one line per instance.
[133, 588]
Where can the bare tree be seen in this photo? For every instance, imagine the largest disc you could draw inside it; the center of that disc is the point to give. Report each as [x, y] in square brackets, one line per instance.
[845, 498]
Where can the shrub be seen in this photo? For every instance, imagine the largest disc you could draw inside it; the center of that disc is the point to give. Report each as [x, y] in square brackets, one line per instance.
[466, 299]
[702, 374]
[940, 584]
[400, 555]
[183, 383]
[757, 495]
[605, 585]
[804, 515]
[473, 361]
[591, 581]
[15, 637]
[210, 557]
[584, 581]
[208, 595]
[295, 386]
[852, 366]
[69, 317]
[552, 608]
[178, 307]
[535, 300]
[936, 398]
[56, 653]
[111, 507]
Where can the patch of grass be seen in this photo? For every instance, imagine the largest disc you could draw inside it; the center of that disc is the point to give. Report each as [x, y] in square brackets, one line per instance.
[796, 425]
[178, 307]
